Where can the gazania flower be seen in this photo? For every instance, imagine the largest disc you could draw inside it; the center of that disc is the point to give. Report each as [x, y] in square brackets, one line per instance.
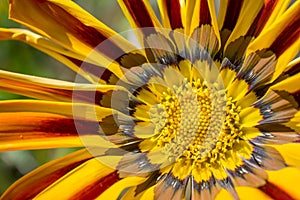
[207, 108]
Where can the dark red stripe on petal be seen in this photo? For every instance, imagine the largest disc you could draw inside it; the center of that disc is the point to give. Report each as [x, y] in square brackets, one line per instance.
[67, 127]
[287, 37]
[97, 188]
[232, 14]
[275, 192]
[39, 126]
[296, 96]
[36, 185]
[99, 72]
[85, 33]
[205, 17]
[262, 17]
[174, 14]
[139, 12]
[293, 70]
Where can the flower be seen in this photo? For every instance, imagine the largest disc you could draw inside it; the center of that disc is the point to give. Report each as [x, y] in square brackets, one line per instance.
[207, 108]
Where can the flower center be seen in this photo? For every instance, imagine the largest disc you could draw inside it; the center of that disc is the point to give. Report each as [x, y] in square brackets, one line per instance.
[195, 121]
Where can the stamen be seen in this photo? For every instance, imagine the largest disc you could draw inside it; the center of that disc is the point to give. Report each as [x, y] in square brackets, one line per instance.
[195, 121]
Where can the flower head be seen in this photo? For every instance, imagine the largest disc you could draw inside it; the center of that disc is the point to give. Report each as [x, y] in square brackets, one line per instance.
[207, 107]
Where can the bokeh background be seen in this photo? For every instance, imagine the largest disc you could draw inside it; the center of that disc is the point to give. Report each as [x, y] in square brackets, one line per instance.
[19, 57]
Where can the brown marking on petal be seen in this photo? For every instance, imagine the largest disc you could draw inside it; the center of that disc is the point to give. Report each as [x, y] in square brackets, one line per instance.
[275, 192]
[68, 127]
[296, 96]
[295, 69]
[85, 33]
[38, 185]
[139, 13]
[41, 125]
[232, 14]
[262, 17]
[95, 189]
[173, 9]
[205, 17]
[99, 72]
[287, 37]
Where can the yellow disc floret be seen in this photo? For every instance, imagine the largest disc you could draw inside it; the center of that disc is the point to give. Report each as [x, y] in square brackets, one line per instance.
[197, 123]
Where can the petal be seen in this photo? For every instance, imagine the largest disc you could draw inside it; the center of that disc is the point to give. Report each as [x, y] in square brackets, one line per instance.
[235, 25]
[49, 47]
[115, 191]
[51, 89]
[286, 180]
[93, 67]
[79, 31]
[96, 188]
[275, 192]
[68, 186]
[244, 193]
[190, 6]
[172, 13]
[229, 13]
[36, 40]
[149, 194]
[70, 110]
[139, 13]
[204, 27]
[282, 38]
[249, 10]
[29, 130]
[272, 11]
[290, 153]
[241, 22]
[36, 181]
[289, 84]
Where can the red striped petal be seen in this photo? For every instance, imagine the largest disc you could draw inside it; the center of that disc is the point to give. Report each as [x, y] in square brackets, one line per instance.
[33, 183]
[275, 192]
[97, 188]
[174, 13]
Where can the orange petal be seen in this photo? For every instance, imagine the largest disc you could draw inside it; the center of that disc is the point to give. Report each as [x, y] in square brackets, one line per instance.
[78, 31]
[33, 183]
[28, 130]
[51, 89]
[286, 180]
[73, 183]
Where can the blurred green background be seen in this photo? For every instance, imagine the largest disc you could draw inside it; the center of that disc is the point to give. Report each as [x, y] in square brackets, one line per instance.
[18, 57]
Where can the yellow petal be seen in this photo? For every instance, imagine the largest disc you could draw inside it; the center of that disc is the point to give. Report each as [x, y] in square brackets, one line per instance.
[172, 13]
[248, 12]
[28, 130]
[189, 11]
[49, 89]
[71, 110]
[139, 13]
[32, 183]
[282, 38]
[244, 193]
[79, 31]
[115, 190]
[287, 180]
[148, 194]
[290, 153]
[204, 14]
[74, 181]
[291, 84]
[277, 11]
